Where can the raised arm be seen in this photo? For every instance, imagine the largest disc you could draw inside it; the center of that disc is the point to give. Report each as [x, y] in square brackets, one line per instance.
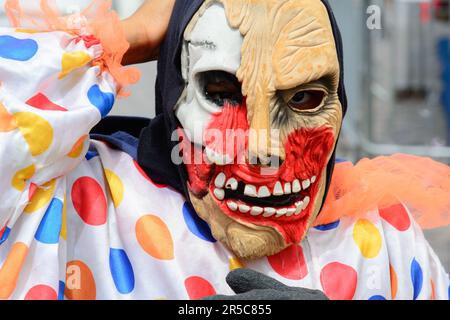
[145, 30]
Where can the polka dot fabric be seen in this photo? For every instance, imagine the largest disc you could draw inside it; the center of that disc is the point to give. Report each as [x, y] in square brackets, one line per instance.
[79, 220]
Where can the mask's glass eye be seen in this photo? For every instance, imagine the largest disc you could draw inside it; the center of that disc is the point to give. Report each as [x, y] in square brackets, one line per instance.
[306, 100]
[221, 87]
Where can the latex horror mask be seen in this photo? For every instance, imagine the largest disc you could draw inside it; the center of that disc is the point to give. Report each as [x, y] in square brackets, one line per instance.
[259, 119]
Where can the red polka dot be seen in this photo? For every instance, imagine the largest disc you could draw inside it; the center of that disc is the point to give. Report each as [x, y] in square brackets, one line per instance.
[290, 263]
[41, 292]
[31, 191]
[198, 288]
[89, 201]
[397, 216]
[146, 177]
[339, 281]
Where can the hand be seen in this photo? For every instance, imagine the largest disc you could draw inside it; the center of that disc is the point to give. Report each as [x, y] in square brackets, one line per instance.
[251, 285]
[145, 30]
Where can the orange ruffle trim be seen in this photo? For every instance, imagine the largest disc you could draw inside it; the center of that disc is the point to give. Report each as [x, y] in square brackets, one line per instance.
[422, 184]
[98, 19]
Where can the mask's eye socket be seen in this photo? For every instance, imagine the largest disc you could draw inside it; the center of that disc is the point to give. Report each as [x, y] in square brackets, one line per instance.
[221, 87]
[306, 100]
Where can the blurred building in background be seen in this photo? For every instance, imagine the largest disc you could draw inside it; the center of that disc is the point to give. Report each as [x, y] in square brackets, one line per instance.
[397, 70]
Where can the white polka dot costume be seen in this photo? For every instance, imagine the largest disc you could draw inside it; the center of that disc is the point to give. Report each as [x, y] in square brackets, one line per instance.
[81, 220]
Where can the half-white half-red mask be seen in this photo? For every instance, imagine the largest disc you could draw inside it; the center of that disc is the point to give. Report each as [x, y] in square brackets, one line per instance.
[259, 119]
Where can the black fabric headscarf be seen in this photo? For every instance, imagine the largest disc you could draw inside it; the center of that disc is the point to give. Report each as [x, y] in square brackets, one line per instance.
[155, 146]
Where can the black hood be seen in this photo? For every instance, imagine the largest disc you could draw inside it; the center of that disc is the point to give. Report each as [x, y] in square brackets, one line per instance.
[155, 147]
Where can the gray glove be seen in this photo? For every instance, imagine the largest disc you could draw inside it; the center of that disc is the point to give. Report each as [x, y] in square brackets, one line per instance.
[252, 285]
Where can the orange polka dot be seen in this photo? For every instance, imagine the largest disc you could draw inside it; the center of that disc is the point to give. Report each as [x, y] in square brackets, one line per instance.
[19, 181]
[9, 273]
[77, 148]
[41, 197]
[37, 132]
[80, 283]
[154, 237]
[394, 282]
[7, 121]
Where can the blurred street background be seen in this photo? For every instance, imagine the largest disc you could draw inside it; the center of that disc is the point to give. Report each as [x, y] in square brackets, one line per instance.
[397, 69]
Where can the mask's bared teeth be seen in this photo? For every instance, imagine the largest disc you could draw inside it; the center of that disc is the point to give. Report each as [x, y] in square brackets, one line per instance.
[290, 212]
[256, 211]
[220, 180]
[278, 189]
[232, 184]
[269, 212]
[313, 179]
[263, 192]
[233, 206]
[299, 207]
[287, 188]
[306, 202]
[306, 184]
[250, 190]
[296, 187]
[219, 193]
[216, 158]
[281, 212]
[244, 208]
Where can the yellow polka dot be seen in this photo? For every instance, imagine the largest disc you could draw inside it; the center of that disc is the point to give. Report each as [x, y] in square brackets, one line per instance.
[19, 181]
[7, 121]
[37, 132]
[154, 237]
[235, 263]
[10, 271]
[72, 61]
[115, 186]
[77, 148]
[64, 220]
[41, 197]
[367, 238]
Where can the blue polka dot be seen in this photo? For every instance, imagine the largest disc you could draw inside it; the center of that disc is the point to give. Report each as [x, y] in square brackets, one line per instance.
[103, 101]
[5, 235]
[91, 154]
[377, 297]
[61, 288]
[196, 225]
[50, 226]
[121, 271]
[327, 227]
[416, 278]
[17, 49]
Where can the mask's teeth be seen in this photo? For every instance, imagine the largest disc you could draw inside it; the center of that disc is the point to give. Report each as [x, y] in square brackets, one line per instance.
[220, 180]
[232, 184]
[233, 206]
[219, 193]
[268, 212]
[287, 188]
[250, 190]
[256, 211]
[296, 188]
[278, 189]
[244, 208]
[216, 158]
[263, 192]
[313, 179]
[281, 212]
[306, 184]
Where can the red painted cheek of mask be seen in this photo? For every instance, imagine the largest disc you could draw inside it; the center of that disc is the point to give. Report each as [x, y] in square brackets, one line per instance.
[227, 133]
